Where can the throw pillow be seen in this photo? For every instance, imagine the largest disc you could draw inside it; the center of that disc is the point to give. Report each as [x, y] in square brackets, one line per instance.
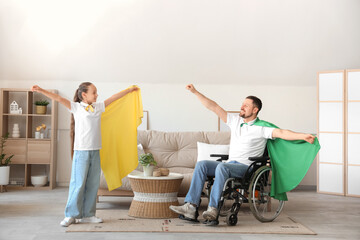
[205, 149]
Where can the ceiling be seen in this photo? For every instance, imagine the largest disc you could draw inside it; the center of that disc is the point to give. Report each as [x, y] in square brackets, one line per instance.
[222, 42]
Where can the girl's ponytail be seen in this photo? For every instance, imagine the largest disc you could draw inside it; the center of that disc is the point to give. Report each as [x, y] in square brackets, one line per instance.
[77, 98]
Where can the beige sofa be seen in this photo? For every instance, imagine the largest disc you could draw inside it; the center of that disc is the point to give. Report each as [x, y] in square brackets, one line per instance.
[174, 150]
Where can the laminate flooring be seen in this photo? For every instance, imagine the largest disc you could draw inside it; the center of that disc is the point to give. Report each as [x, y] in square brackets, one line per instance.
[36, 214]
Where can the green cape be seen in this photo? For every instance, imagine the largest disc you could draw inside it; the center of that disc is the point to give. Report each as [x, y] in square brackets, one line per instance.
[290, 161]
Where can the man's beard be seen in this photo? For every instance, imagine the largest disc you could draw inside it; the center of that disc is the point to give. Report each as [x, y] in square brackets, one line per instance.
[246, 116]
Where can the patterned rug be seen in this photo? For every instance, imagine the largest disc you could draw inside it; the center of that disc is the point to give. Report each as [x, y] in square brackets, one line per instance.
[119, 221]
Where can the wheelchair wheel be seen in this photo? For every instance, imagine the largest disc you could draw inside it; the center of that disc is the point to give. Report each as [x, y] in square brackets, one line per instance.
[231, 219]
[262, 205]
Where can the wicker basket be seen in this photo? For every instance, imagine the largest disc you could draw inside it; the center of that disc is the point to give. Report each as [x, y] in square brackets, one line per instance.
[152, 210]
[152, 197]
[40, 109]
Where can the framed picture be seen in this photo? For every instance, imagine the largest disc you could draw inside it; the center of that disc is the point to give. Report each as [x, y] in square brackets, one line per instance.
[222, 127]
[144, 123]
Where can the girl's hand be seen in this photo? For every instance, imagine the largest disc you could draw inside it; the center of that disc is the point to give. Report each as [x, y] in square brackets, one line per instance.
[135, 88]
[35, 88]
[121, 94]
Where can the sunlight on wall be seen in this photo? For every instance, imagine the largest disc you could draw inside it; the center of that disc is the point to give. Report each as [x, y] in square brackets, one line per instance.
[60, 24]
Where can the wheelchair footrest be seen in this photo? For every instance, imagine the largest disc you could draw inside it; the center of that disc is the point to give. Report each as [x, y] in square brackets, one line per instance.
[211, 222]
[188, 219]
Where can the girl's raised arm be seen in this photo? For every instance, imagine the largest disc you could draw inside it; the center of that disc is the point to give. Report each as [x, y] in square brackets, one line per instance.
[118, 95]
[51, 95]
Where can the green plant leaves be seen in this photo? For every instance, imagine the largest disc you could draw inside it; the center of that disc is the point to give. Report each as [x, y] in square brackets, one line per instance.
[41, 102]
[147, 159]
[3, 160]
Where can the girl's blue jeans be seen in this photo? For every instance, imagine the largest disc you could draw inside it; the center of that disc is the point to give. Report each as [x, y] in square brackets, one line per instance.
[84, 184]
[221, 171]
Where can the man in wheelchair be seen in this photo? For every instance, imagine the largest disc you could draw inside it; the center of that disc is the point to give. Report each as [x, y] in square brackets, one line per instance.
[248, 139]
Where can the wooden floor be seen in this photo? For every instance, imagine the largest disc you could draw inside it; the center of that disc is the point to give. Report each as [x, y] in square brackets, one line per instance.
[31, 214]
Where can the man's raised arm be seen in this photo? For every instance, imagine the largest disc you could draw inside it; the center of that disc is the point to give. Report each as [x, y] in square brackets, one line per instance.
[208, 103]
[290, 135]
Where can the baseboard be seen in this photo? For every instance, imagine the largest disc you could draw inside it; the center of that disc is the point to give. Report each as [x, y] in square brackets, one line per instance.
[305, 188]
[62, 184]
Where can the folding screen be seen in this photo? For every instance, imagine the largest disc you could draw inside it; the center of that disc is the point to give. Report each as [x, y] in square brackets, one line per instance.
[331, 132]
[339, 132]
[353, 133]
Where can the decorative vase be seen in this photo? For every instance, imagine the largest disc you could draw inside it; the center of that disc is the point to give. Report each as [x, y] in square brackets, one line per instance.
[4, 175]
[37, 135]
[40, 109]
[148, 170]
[16, 131]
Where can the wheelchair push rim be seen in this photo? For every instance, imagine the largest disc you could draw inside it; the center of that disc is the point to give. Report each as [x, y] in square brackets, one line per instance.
[262, 205]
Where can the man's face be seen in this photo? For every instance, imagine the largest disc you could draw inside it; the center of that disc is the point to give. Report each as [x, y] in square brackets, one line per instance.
[248, 109]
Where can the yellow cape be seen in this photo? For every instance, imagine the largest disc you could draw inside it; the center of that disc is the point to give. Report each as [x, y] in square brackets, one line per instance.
[119, 125]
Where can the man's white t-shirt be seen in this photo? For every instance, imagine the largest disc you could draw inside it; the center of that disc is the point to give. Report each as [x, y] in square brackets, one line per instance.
[87, 125]
[247, 140]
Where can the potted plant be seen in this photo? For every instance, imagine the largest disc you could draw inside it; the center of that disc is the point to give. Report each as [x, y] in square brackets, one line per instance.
[4, 162]
[41, 106]
[148, 163]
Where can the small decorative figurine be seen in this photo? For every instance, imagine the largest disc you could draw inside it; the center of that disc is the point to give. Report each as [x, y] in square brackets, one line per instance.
[14, 108]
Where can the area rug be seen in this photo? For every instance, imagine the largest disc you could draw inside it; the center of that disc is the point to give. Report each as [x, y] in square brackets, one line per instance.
[119, 221]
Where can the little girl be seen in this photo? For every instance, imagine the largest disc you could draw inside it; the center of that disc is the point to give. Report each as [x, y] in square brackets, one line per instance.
[85, 174]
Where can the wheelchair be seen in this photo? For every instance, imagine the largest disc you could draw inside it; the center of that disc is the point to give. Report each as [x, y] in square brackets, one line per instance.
[254, 188]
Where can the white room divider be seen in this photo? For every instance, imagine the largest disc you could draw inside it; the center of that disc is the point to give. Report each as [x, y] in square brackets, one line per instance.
[339, 132]
[331, 132]
[353, 132]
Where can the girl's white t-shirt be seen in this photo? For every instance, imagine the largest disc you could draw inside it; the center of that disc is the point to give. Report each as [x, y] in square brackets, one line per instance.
[87, 125]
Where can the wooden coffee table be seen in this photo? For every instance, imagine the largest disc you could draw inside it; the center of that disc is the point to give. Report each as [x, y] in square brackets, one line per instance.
[154, 195]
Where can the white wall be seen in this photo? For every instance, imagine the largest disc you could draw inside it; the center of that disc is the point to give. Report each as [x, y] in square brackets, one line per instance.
[229, 49]
[172, 108]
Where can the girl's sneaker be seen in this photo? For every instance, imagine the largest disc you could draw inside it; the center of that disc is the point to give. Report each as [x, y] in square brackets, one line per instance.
[92, 219]
[67, 221]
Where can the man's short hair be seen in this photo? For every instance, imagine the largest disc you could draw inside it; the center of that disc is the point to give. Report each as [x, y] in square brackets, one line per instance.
[256, 101]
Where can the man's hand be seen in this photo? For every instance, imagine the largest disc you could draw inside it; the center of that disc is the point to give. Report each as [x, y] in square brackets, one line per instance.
[309, 138]
[35, 88]
[208, 103]
[191, 88]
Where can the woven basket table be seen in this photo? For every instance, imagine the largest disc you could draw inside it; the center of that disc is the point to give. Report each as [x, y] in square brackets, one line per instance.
[154, 195]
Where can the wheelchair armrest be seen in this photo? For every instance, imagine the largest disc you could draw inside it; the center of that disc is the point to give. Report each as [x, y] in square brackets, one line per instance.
[221, 156]
[259, 159]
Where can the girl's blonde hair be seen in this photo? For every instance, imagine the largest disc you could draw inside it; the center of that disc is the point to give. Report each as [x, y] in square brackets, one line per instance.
[83, 88]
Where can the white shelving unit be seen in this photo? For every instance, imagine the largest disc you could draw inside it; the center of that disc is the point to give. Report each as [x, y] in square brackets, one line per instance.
[31, 156]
